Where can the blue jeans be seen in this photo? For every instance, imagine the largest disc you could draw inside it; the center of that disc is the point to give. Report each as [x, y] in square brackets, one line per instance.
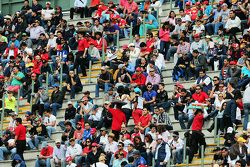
[217, 26]
[62, 126]
[101, 85]
[246, 115]
[54, 107]
[38, 139]
[42, 162]
[50, 129]
[51, 79]
[185, 117]
[4, 150]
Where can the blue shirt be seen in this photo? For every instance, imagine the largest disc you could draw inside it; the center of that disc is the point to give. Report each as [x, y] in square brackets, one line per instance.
[208, 10]
[153, 19]
[86, 134]
[217, 14]
[245, 71]
[149, 95]
[16, 43]
[140, 161]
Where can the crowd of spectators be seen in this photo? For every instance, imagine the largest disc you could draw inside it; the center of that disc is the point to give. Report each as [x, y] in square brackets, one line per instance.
[132, 125]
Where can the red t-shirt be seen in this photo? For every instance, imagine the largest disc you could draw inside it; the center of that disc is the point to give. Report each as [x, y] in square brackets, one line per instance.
[47, 151]
[144, 120]
[82, 44]
[118, 118]
[139, 79]
[20, 132]
[78, 134]
[197, 122]
[122, 22]
[201, 98]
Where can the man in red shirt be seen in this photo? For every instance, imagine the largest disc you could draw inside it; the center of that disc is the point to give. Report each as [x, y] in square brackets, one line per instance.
[199, 95]
[20, 137]
[118, 118]
[131, 7]
[197, 136]
[45, 155]
[145, 121]
[81, 55]
[139, 78]
[121, 149]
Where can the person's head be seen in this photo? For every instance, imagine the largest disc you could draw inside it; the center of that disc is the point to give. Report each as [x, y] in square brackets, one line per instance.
[224, 152]
[130, 147]
[161, 86]
[182, 13]
[202, 73]
[131, 46]
[72, 142]
[198, 89]
[197, 37]
[232, 14]
[152, 72]
[136, 154]
[87, 126]
[131, 159]
[103, 70]
[120, 155]
[47, 113]
[136, 129]
[148, 138]
[137, 37]
[221, 87]
[28, 115]
[18, 121]
[68, 126]
[16, 69]
[85, 100]
[94, 147]
[195, 53]
[137, 140]
[220, 96]
[120, 146]
[56, 87]
[35, 2]
[149, 86]
[216, 80]
[175, 135]
[226, 62]
[149, 35]
[238, 163]
[145, 111]
[159, 139]
[241, 141]
[171, 14]
[183, 92]
[111, 137]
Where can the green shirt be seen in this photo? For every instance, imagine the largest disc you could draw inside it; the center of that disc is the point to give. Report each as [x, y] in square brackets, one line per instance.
[15, 81]
[3, 39]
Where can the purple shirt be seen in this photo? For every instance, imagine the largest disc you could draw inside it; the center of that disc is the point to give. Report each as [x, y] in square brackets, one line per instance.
[155, 80]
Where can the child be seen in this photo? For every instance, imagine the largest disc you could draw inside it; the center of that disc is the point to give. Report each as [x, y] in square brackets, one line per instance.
[69, 162]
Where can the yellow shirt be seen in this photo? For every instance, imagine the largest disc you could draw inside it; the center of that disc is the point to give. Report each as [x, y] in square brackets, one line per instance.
[10, 104]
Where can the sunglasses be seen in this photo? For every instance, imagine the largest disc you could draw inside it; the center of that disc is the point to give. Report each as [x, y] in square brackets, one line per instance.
[215, 80]
[149, 87]
[88, 141]
[198, 89]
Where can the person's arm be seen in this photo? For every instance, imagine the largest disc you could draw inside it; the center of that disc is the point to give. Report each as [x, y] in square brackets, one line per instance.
[168, 153]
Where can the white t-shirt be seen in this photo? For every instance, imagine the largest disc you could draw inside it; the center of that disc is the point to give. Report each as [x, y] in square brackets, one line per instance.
[52, 42]
[50, 119]
[48, 14]
[72, 165]
[100, 164]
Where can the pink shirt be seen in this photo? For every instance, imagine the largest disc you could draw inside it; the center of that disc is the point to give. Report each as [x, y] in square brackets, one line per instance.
[164, 35]
[123, 2]
[131, 8]
[183, 49]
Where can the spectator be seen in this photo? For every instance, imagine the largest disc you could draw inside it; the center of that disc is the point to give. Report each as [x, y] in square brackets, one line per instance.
[35, 31]
[50, 122]
[153, 78]
[94, 155]
[149, 97]
[150, 22]
[199, 96]
[105, 81]
[68, 132]
[41, 99]
[38, 132]
[176, 145]
[84, 110]
[8, 145]
[162, 152]
[45, 156]
[20, 138]
[79, 7]
[56, 100]
[233, 24]
[74, 151]
[58, 154]
[238, 151]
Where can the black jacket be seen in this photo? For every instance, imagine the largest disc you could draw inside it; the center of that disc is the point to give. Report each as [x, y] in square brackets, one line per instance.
[70, 113]
[56, 97]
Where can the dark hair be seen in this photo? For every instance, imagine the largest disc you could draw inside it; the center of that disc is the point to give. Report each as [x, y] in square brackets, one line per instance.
[170, 13]
[19, 120]
[23, 44]
[68, 123]
[143, 44]
[150, 34]
[203, 70]
[121, 144]
[184, 90]
[131, 159]
[149, 83]
[150, 139]
[162, 84]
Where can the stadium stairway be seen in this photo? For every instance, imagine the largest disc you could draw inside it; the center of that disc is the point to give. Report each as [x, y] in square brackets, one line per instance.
[31, 155]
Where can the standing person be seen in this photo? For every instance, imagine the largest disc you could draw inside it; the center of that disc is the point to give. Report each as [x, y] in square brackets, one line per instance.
[246, 103]
[164, 35]
[162, 152]
[197, 137]
[80, 6]
[20, 137]
[118, 118]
